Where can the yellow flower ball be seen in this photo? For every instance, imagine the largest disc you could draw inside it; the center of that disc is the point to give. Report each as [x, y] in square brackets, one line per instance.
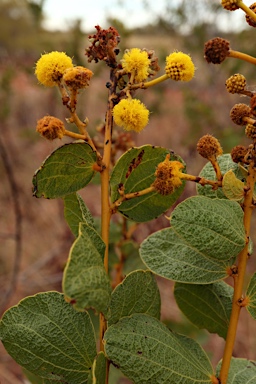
[179, 66]
[51, 67]
[131, 114]
[136, 62]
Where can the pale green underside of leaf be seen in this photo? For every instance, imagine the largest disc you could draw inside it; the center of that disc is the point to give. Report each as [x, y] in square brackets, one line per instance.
[147, 352]
[68, 169]
[47, 337]
[138, 293]
[135, 171]
[206, 306]
[85, 281]
[241, 371]
[251, 294]
[98, 372]
[75, 212]
[200, 245]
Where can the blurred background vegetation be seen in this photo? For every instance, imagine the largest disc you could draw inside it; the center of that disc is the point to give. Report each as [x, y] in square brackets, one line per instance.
[34, 239]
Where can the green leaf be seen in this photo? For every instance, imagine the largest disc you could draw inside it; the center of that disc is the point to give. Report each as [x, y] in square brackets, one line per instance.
[206, 306]
[232, 187]
[226, 163]
[146, 351]
[241, 371]
[99, 368]
[138, 293]
[215, 227]
[68, 169]
[135, 171]
[33, 379]
[85, 281]
[47, 337]
[251, 295]
[75, 212]
[200, 245]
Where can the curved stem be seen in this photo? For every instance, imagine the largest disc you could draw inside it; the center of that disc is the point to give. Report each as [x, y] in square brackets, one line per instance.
[239, 279]
[242, 56]
[246, 9]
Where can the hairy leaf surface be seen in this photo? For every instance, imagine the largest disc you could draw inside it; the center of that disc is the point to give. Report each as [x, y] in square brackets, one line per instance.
[146, 351]
[241, 371]
[46, 336]
[251, 294]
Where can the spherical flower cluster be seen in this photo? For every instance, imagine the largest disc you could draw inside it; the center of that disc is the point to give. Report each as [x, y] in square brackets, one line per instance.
[216, 50]
[50, 127]
[209, 147]
[131, 114]
[179, 66]
[238, 153]
[51, 67]
[136, 62]
[77, 77]
[250, 131]
[230, 5]
[236, 83]
[239, 112]
[168, 176]
[249, 19]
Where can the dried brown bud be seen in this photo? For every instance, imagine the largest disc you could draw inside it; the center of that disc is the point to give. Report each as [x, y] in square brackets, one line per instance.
[239, 112]
[77, 77]
[103, 46]
[209, 147]
[236, 83]
[216, 50]
[250, 131]
[249, 19]
[230, 5]
[238, 153]
[50, 127]
[168, 176]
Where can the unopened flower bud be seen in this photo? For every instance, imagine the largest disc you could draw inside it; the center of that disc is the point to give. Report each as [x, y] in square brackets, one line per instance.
[50, 127]
[239, 112]
[230, 5]
[168, 176]
[249, 19]
[250, 131]
[216, 50]
[236, 83]
[209, 147]
[238, 153]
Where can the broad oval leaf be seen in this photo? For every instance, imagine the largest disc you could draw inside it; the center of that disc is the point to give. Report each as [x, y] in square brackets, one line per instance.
[190, 253]
[213, 226]
[68, 169]
[146, 351]
[75, 212]
[138, 293]
[85, 281]
[241, 371]
[135, 171]
[206, 306]
[47, 337]
[251, 295]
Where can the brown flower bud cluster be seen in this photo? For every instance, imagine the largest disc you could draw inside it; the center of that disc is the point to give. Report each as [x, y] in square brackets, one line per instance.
[248, 19]
[216, 50]
[238, 153]
[168, 176]
[103, 46]
[239, 112]
[250, 131]
[209, 147]
[77, 77]
[230, 5]
[50, 127]
[236, 83]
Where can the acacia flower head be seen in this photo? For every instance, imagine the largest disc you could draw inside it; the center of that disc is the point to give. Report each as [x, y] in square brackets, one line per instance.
[209, 147]
[216, 50]
[51, 67]
[168, 176]
[230, 5]
[136, 62]
[131, 114]
[77, 77]
[179, 66]
[236, 83]
[50, 127]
